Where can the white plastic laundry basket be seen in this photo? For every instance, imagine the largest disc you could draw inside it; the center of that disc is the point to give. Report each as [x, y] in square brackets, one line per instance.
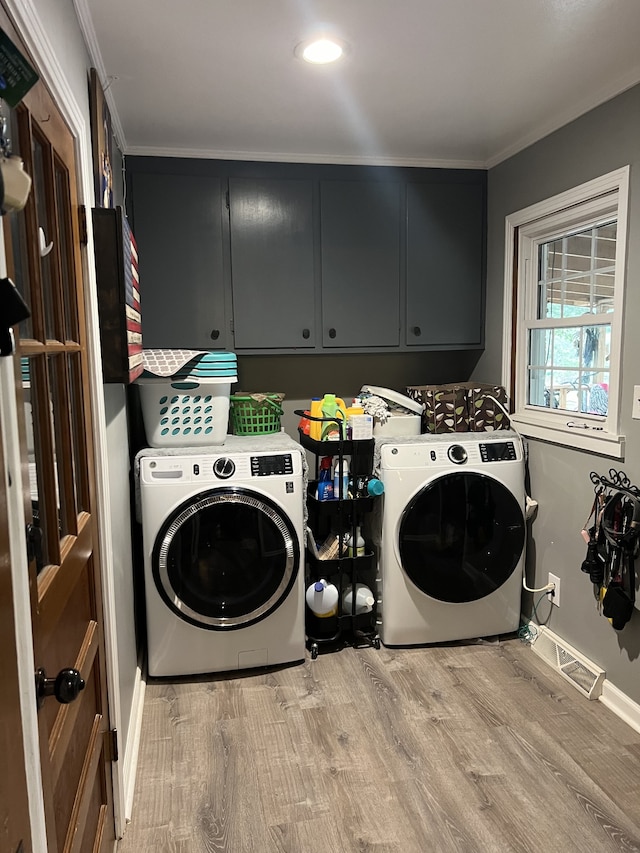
[186, 412]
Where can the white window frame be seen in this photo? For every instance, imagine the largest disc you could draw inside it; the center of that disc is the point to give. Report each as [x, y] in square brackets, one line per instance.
[525, 230]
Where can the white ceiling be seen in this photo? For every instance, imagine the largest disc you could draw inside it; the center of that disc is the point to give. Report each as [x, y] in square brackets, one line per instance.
[462, 83]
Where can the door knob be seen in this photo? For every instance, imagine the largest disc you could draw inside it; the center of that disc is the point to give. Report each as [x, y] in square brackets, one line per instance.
[417, 331]
[34, 545]
[66, 686]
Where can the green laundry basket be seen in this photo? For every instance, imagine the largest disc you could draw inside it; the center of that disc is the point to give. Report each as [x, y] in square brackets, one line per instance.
[255, 414]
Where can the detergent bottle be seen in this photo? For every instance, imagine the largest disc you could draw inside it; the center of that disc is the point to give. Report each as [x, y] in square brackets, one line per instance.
[322, 599]
[375, 487]
[304, 424]
[355, 544]
[364, 599]
[315, 427]
[353, 412]
[333, 407]
[341, 479]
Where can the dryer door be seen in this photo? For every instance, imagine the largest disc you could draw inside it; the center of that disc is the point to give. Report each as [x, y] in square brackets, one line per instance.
[461, 537]
[226, 559]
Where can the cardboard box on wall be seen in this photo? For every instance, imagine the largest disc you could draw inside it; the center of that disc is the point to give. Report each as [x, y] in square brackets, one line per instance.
[460, 407]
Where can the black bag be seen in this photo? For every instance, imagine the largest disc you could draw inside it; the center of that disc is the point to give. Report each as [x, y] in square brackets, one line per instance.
[617, 605]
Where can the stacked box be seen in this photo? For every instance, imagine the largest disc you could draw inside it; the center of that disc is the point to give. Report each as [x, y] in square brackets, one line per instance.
[460, 407]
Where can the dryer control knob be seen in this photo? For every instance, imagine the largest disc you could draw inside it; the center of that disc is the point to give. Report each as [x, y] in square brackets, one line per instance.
[457, 454]
[223, 468]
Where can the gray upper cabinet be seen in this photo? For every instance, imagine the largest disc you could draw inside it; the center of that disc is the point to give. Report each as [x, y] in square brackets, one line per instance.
[310, 258]
[272, 263]
[360, 251]
[445, 265]
[178, 228]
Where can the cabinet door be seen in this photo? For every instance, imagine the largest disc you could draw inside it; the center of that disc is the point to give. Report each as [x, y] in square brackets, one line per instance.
[178, 228]
[445, 258]
[272, 266]
[360, 249]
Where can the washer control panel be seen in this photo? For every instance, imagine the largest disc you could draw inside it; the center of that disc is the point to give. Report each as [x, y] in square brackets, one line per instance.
[229, 468]
[266, 466]
[498, 451]
[448, 451]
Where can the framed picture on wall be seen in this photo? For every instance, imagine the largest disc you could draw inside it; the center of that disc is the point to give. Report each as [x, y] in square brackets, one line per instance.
[101, 141]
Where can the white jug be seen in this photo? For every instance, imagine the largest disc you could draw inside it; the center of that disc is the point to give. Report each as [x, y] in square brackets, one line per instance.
[364, 599]
[322, 599]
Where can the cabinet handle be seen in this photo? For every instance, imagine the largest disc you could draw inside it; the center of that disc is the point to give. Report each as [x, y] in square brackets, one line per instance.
[332, 333]
[306, 334]
[417, 331]
[215, 334]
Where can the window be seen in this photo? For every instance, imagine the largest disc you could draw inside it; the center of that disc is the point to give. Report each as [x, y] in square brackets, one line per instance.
[563, 314]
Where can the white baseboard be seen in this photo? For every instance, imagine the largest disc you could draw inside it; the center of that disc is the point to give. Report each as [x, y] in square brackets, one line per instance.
[130, 761]
[611, 697]
[620, 704]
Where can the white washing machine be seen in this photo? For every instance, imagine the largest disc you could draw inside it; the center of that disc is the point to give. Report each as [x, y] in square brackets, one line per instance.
[223, 568]
[452, 538]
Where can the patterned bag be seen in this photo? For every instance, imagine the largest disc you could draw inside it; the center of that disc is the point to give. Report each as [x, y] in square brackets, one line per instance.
[460, 407]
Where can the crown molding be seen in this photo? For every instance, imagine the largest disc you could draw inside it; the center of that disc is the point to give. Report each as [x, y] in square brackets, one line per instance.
[595, 100]
[85, 22]
[291, 157]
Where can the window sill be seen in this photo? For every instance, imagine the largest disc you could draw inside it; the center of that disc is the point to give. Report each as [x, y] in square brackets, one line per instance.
[594, 441]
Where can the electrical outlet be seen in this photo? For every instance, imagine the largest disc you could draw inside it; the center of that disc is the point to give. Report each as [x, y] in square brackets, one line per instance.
[554, 596]
[635, 411]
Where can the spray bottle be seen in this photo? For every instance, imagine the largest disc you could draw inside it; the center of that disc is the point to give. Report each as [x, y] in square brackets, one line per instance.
[325, 481]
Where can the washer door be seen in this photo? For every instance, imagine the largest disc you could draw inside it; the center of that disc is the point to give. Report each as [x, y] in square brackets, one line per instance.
[461, 537]
[226, 559]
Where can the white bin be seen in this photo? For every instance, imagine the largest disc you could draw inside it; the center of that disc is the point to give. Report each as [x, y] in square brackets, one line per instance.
[185, 412]
[398, 425]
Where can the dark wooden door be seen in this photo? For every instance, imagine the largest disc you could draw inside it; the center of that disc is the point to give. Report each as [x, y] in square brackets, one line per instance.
[44, 259]
[14, 804]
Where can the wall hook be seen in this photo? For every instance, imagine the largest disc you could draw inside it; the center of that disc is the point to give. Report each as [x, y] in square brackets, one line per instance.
[42, 240]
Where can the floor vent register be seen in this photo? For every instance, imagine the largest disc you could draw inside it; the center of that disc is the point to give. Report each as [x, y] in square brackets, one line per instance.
[585, 675]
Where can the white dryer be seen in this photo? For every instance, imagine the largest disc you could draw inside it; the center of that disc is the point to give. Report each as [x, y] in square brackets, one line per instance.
[224, 579]
[453, 536]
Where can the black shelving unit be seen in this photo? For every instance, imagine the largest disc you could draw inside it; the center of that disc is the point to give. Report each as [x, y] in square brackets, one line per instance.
[342, 516]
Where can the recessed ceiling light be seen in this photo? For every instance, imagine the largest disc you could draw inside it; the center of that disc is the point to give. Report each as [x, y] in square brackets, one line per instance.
[321, 50]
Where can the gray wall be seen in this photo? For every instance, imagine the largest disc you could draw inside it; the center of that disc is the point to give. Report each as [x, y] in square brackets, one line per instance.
[301, 377]
[604, 139]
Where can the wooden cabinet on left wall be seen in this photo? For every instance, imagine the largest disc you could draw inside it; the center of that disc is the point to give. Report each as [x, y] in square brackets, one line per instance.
[178, 225]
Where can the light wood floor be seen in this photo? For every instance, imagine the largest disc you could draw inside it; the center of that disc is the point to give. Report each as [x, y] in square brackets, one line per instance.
[478, 747]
